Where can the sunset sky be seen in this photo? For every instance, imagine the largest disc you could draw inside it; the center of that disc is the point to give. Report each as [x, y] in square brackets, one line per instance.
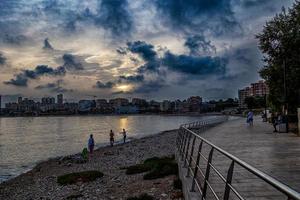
[155, 49]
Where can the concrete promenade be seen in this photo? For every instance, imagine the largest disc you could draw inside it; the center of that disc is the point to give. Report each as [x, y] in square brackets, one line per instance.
[278, 155]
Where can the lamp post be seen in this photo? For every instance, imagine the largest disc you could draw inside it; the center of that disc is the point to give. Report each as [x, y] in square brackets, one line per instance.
[285, 96]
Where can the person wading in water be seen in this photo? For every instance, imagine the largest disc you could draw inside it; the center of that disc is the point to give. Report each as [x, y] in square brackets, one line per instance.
[124, 135]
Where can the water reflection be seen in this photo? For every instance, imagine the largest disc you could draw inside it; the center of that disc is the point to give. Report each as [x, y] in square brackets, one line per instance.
[25, 141]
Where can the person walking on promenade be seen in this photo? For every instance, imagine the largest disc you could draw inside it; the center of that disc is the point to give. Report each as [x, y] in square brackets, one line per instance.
[276, 120]
[250, 118]
[111, 138]
[91, 144]
[124, 135]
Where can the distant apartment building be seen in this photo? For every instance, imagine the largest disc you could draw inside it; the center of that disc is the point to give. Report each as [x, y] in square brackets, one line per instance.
[60, 99]
[165, 106]
[139, 102]
[48, 100]
[259, 88]
[194, 103]
[101, 103]
[118, 102]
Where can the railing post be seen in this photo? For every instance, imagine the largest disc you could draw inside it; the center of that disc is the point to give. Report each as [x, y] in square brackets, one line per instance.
[184, 144]
[228, 181]
[180, 139]
[187, 149]
[191, 155]
[207, 173]
[197, 165]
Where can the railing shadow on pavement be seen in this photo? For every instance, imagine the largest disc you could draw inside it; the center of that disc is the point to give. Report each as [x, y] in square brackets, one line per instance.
[216, 174]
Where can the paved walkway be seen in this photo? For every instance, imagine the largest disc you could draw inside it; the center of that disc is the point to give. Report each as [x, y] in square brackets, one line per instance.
[275, 154]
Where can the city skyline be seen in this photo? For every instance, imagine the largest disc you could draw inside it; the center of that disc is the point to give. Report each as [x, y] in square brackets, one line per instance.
[147, 49]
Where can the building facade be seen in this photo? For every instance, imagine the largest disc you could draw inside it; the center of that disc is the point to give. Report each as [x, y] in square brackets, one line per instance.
[258, 89]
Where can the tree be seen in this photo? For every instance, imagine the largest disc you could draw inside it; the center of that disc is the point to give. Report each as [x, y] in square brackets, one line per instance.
[255, 102]
[280, 44]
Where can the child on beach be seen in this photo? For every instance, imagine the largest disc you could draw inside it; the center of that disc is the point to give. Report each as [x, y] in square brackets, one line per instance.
[111, 138]
[91, 144]
[124, 135]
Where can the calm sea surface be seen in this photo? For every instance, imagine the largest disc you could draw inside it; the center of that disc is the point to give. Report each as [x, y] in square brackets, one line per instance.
[25, 141]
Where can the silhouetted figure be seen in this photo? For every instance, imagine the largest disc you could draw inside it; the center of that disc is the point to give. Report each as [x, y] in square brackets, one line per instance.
[111, 138]
[91, 144]
[124, 135]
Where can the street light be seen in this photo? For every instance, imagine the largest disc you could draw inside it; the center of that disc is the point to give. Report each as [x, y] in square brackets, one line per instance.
[285, 96]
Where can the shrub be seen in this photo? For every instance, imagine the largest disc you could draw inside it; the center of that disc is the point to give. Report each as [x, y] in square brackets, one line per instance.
[85, 176]
[137, 169]
[156, 167]
[161, 170]
[84, 154]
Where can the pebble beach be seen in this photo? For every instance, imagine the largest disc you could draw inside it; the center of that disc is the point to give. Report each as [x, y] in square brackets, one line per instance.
[41, 181]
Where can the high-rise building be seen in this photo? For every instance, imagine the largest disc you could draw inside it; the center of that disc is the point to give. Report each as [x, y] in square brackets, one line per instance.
[60, 99]
[20, 100]
[194, 103]
[48, 100]
[259, 89]
[118, 102]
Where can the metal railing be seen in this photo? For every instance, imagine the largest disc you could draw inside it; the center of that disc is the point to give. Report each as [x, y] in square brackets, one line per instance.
[187, 140]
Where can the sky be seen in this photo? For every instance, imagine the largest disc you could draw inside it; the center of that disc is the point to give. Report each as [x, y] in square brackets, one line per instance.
[153, 49]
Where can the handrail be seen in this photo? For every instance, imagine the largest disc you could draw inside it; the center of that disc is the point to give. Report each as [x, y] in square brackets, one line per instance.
[183, 142]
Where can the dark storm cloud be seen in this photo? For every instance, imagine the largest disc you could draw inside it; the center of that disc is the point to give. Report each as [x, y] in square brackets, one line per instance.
[71, 63]
[41, 70]
[47, 45]
[106, 85]
[201, 15]
[132, 79]
[2, 59]
[196, 65]
[197, 44]
[22, 78]
[115, 17]
[54, 87]
[11, 29]
[147, 52]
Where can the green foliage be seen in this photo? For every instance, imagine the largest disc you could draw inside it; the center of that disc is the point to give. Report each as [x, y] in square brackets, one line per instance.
[85, 176]
[280, 42]
[156, 167]
[177, 184]
[255, 102]
[84, 154]
[141, 197]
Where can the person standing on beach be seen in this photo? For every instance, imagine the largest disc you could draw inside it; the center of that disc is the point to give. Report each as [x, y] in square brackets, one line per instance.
[91, 144]
[111, 138]
[124, 135]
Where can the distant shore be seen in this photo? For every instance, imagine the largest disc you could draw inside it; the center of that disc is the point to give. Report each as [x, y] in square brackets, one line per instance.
[110, 114]
[41, 181]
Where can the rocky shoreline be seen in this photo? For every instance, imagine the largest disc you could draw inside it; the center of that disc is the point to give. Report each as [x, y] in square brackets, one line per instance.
[41, 181]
